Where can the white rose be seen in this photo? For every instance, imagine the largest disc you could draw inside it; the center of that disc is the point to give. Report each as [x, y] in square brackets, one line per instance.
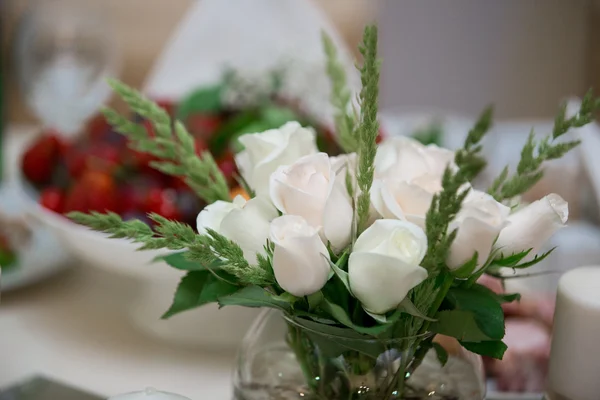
[308, 188]
[264, 152]
[244, 222]
[402, 158]
[300, 257]
[409, 201]
[408, 174]
[532, 226]
[479, 222]
[384, 264]
[212, 215]
[343, 165]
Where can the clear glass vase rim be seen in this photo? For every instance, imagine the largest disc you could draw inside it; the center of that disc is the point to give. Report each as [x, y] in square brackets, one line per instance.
[292, 320]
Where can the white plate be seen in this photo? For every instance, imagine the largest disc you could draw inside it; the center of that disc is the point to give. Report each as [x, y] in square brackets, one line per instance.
[41, 257]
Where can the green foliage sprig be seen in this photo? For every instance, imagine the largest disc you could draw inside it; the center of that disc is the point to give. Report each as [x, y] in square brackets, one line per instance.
[209, 249]
[214, 247]
[444, 207]
[446, 204]
[171, 143]
[536, 152]
[345, 120]
[112, 224]
[368, 127]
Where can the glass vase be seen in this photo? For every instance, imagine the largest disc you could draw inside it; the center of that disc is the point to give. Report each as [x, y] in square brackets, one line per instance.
[282, 358]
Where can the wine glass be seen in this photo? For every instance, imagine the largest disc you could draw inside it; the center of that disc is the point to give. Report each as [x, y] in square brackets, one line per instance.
[64, 52]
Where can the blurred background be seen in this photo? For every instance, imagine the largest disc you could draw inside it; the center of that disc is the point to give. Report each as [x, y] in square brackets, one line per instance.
[521, 55]
[96, 326]
[143, 35]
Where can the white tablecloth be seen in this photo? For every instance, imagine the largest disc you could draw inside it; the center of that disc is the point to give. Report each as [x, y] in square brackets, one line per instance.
[73, 328]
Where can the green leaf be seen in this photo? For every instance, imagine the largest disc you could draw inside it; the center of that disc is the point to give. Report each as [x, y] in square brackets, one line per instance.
[508, 297]
[287, 297]
[204, 100]
[336, 290]
[313, 324]
[484, 305]
[276, 116]
[340, 315]
[466, 270]
[180, 261]
[254, 296]
[8, 260]
[458, 324]
[334, 341]
[441, 353]
[342, 275]
[490, 348]
[198, 288]
[535, 260]
[381, 318]
[314, 300]
[230, 129]
[511, 260]
[431, 134]
[408, 307]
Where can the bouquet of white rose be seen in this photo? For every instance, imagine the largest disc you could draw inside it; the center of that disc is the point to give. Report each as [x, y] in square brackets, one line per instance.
[369, 255]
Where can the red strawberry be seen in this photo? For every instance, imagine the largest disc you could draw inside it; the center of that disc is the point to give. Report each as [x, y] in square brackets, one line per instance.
[4, 245]
[328, 135]
[163, 202]
[380, 136]
[203, 125]
[103, 157]
[167, 105]
[98, 128]
[102, 192]
[132, 198]
[38, 161]
[227, 166]
[76, 199]
[76, 162]
[95, 191]
[64, 146]
[136, 159]
[53, 199]
[178, 183]
[200, 146]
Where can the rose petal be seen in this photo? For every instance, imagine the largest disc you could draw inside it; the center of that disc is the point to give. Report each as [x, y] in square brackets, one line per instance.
[533, 225]
[381, 282]
[249, 226]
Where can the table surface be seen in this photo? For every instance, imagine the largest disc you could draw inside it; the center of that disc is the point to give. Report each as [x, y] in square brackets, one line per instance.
[73, 328]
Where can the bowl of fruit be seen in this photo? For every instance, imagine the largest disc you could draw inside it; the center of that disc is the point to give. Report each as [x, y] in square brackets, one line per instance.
[100, 172]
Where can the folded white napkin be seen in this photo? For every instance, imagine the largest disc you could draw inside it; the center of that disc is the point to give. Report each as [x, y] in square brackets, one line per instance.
[251, 37]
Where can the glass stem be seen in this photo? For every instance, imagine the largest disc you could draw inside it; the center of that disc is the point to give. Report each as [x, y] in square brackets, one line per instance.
[401, 374]
[422, 350]
[295, 342]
